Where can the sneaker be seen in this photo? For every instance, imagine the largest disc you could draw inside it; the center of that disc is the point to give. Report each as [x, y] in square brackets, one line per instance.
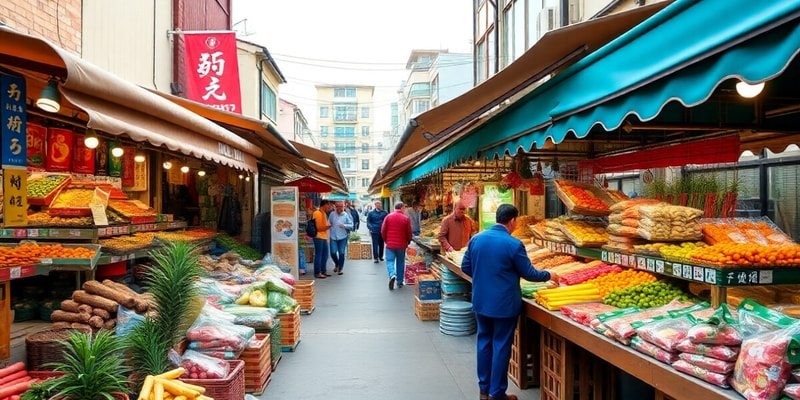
[399, 285]
[391, 283]
[376, 261]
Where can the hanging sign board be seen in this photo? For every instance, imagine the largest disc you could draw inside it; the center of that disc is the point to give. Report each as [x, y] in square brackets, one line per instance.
[14, 121]
[212, 70]
[59, 149]
[15, 196]
[283, 223]
[36, 135]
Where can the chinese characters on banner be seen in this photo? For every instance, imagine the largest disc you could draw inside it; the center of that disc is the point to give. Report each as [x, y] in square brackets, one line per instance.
[212, 70]
[13, 114]
[14, 153]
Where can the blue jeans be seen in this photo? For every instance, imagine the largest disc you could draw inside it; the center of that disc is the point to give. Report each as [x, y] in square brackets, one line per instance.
[415, 233]
[396, 263]
[495, 336]
[338, 252]
[377, 245]
[320, 256]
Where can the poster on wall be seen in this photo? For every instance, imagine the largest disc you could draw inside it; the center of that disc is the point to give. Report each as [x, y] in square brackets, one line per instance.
[283, 211]
[493, 196]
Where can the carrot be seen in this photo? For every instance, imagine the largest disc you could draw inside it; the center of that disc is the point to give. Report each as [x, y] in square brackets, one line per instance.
[18, 380]
[15, 397]
[19, 388]
[18, 366]
[14, 376]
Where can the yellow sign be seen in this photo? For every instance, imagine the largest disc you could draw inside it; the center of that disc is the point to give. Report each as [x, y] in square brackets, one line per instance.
[15, 197]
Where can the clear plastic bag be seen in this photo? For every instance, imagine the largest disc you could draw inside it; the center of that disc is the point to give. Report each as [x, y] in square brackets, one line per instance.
[213, 329]
[720, 352]
[281, 302]
[702, 373]
[665, 333]
[127, 320]
[653, 350]
[202, 366]
[254, 317]
[710, 364]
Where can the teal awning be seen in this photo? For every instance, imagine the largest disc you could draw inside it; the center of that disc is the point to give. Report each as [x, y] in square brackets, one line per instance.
[681, 54]
[337, 196]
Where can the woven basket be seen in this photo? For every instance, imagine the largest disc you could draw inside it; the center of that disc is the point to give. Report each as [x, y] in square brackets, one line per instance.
[230, 388]
[43, 347]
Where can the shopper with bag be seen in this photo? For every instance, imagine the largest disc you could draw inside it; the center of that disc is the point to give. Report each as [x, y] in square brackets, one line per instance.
[320, 217]
[374, 222]
[496, 261]
[396, 231]
[341, 225]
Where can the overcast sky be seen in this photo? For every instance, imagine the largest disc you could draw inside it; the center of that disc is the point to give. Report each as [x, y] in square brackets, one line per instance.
[365, 42]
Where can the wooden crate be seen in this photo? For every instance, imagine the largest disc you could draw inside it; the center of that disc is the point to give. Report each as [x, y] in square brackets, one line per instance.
[290, 329]
[304, 294]
[426, 310]
[570, 372]
[257, 364]
[366, 250]
[354, 251]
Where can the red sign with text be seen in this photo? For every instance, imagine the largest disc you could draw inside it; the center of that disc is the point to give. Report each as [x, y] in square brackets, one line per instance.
[212, 70]
[82, 156]
[59, 149]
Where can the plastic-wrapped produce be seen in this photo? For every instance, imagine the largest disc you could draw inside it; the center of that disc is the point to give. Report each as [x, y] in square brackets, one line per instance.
[702, 373]
[653, 350]
[665, 333]
[720, 352]
[711, 364]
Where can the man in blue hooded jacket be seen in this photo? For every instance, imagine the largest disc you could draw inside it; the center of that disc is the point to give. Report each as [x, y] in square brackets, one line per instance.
[496, 260]
[374, 223]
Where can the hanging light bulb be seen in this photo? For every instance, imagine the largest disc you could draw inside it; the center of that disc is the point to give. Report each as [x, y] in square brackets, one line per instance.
[747, 90]
[167, 165]
[201, 173]
[241, 176]
[117, 151]
[90, 140]
[247, 178]
[185, 169]
[139, 157]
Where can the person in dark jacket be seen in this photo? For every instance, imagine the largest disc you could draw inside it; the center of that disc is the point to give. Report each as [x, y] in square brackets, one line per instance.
[354, 214]
[374, 222]
[396, 232]
[496, 260]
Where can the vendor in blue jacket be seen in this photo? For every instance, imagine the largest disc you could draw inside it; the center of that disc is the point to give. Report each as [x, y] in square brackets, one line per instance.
[496, 261]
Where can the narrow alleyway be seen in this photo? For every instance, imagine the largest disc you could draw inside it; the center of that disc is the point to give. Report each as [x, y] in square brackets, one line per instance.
[363, 342]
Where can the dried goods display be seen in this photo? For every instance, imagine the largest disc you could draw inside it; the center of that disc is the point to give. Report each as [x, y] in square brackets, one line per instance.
[665, 222]
[42, 218]
[585, 234]
[32, 253]
[128, 243]
[742, 231]
[97, 304]
[583, 199]
[135, 211]
[42, 188]
[645, 295]
[748, 255]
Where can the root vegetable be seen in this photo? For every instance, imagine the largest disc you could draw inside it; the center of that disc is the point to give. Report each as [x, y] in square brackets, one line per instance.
[85, 308]
[96, 322]
[147, 386]
[66, 316]
[18, 388]
[110, 323]
[95, 301]
[8, 379]
[62, 325]
[96, 288]
[104, 314]
[70, 305]
[11, 369]
[78, 325]
[172, 374]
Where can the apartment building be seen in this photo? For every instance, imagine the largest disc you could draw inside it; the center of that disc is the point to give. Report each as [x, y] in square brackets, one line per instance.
[345, 128]
[292, 124]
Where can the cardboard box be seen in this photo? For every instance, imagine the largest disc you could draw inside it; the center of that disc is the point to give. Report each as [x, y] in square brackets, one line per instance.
[428, 288]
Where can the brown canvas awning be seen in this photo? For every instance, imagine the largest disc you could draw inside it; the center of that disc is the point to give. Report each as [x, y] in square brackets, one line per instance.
[556, 50]
[110, 104]
[322, 165]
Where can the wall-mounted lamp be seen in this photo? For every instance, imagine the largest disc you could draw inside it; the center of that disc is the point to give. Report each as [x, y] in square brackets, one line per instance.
[90, 140]
[50, 99]
[117, 150]
[185, 169]
[201, 173]
[167, 165]
[747, 90]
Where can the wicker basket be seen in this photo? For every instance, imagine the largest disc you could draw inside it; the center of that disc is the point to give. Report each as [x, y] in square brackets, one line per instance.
[44, 347]
[230, 388]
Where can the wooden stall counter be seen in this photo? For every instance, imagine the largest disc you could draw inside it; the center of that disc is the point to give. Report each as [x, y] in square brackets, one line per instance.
[667, 382]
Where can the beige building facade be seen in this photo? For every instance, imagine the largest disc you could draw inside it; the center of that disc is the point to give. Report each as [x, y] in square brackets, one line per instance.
[345, 127]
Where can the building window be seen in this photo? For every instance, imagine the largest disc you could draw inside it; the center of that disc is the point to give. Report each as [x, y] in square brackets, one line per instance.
[364, 131]
[364, 147]
[364, 182]
[364, 112]
[344, 112]
[364, 164]
[420, 106]
[323, 131]
[347, 163]
[323, 146]
[323, 112]
[269, 102]
[345, 131]
[344, 92]
[351, 182]
[345, 148]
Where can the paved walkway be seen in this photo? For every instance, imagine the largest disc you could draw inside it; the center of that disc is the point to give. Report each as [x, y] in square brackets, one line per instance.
[363, 342]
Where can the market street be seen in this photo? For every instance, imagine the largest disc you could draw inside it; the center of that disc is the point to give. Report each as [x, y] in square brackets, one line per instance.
[364, 342]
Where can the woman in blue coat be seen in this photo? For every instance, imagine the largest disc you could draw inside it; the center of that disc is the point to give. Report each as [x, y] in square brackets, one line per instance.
[496, 260]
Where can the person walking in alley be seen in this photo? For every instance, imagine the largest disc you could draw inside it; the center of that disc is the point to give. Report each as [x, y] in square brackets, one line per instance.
[414, 214]
[374, 222]
[457, 228]
[396, 232]
[496, 261]
[354, 215]
[321, 240]
[341, 225]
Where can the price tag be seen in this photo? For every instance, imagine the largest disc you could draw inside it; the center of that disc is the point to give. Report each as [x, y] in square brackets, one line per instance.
[573, 250]
[7, 233]
[114, 259]
[75, 232]
[617, 258]
[103, 232]
[55, 233]
[20, 233]
[641, 263]
[711, 276]
[624, 260]
[659, 266]
[115, 230]
[125, 229]
[687, 272]
[15, 272]
[604, 256]
[677, 269]
[765, 277]
[697, 273]
[46, 261]
[33, 233]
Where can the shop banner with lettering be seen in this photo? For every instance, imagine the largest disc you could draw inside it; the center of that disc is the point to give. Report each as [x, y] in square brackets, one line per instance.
[14, 118]
[101, 156]
[59, 149]
[36, 137]
[114, 163]
[15, 197]
[82, 156]
[127, 166]
[212, 70]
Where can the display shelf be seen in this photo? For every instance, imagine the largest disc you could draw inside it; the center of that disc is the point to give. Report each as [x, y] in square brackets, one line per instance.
[660, 376]
[456, 269]
[23, 271]
[433, 248]
[92, 233]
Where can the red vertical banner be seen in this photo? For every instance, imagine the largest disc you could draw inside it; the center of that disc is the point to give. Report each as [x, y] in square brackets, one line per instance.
[212, 70]
[36, 135]
[59, 149]
[128, 163]
[82, 157]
